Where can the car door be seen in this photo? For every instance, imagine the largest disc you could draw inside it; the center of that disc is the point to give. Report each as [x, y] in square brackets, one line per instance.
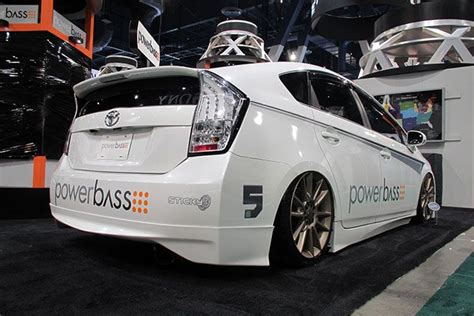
[400, 169]
[354, 161]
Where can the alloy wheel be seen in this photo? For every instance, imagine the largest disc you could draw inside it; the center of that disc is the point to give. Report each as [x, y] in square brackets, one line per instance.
[311, 214]
[427, 196]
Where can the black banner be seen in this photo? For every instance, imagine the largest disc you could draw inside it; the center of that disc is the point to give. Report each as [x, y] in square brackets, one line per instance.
[37, 73]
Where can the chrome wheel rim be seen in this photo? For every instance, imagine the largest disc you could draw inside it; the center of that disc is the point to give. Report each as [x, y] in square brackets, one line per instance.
[427, 196]
[311, 214]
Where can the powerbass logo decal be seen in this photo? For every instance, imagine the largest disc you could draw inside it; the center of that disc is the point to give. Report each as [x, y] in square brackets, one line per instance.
[118, 199]
[376, 194]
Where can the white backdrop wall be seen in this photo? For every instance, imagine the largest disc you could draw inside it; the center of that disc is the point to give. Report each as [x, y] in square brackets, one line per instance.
[457, 147]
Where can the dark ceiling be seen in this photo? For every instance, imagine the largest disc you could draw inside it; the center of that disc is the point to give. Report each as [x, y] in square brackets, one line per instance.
[185, 27]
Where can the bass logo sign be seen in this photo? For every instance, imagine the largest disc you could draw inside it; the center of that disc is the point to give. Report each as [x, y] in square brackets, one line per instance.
[21, 14]
[147, 45]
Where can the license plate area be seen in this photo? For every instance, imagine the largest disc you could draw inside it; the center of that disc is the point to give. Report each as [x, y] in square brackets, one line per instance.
[115, 146]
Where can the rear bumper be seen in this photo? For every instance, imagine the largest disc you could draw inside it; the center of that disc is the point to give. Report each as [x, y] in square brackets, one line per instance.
[196, 210]
[210, 245]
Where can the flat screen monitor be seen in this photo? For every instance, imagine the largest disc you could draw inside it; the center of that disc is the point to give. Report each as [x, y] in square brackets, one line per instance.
[422, 111]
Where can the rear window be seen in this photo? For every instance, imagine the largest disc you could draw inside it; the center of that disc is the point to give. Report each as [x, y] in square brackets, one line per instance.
[141, 93]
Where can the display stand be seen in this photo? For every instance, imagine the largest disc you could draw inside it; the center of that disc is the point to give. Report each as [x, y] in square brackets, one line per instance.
[39, 64]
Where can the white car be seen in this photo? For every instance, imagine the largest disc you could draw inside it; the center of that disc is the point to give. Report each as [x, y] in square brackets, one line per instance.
[237, 165]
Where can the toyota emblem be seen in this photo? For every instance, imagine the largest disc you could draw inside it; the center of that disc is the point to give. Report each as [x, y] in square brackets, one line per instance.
[112, 118]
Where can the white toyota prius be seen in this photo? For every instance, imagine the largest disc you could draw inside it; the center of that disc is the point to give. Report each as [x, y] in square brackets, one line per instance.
[238, 165]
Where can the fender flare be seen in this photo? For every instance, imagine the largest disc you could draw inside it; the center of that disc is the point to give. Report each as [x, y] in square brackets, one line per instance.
[310, 166]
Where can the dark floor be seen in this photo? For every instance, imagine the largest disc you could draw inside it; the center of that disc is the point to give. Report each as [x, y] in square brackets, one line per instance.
[47, 270]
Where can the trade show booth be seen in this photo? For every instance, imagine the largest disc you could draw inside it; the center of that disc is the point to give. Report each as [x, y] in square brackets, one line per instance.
[421, 68]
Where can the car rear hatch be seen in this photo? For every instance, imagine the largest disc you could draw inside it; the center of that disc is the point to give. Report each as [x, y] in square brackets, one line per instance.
[136, 121]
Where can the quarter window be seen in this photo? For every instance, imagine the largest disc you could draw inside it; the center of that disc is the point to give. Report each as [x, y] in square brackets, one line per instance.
[335, 97]
[297, 85]
[381, 121]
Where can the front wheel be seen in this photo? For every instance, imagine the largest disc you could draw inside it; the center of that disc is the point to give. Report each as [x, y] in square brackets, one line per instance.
[304, 221]
[427, 195]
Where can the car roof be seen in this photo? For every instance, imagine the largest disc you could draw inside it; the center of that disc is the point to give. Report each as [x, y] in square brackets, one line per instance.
[261, 82]
[274, 68]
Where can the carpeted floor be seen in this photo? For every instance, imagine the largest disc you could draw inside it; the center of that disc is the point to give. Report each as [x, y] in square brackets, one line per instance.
[45, 270]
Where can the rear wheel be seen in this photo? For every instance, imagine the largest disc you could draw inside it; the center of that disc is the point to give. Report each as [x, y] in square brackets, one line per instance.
[304, 221]
[427, 195]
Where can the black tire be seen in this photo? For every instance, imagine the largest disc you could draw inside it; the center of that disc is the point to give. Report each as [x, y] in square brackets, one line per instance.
[427, 195]
[284, 251]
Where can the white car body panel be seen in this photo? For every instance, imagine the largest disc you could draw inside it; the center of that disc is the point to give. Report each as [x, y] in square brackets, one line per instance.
[278, 140]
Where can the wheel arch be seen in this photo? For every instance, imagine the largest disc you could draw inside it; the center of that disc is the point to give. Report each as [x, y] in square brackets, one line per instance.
[427, 170]
[292, 178]
[425, 174]
[300, 169]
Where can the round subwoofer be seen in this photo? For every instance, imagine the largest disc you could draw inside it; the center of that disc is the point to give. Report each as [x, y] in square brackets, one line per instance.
[349, 19]
[435, 10]
[116, 59]
[235, 43]
[116, 63]
[237, 25]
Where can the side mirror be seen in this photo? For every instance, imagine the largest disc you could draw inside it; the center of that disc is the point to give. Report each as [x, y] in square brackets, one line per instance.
[416, 138]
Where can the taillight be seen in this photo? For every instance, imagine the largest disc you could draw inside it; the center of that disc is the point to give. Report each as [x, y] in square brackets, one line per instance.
[68, 138]
[66, 145]
[218, 115]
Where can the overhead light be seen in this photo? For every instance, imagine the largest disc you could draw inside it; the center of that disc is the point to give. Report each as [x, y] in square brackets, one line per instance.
[231, 12]
[292, 56]
[76, 40]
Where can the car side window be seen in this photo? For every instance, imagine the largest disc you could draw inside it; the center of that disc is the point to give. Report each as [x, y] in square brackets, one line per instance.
[297, 85]
[334, 97]
[381, 121]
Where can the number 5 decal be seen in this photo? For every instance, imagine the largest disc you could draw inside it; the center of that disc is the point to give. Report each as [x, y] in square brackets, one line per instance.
[253, 195]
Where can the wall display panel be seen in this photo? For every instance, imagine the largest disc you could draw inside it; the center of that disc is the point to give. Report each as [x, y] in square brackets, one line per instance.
[422, 111]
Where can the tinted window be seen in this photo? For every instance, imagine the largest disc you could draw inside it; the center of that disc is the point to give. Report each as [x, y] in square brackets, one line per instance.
[380, 121]
[151, 92]
[297, 85]
[335, 97]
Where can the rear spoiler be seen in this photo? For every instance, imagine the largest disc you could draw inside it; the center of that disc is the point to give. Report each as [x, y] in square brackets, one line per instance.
[84, 88]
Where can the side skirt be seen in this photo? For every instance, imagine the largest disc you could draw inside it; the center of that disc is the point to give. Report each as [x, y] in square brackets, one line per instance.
[343, 237]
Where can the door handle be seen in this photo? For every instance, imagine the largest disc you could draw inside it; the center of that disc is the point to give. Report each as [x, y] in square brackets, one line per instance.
[333, 137]
[385, 154]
